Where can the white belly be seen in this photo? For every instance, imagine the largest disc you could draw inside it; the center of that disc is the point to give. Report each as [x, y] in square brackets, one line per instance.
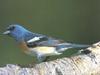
[47, 51]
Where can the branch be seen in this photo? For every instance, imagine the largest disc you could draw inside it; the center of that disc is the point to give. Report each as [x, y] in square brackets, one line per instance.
[83, 64]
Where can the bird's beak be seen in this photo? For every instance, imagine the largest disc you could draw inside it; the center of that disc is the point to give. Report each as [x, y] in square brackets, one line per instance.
[6, 32]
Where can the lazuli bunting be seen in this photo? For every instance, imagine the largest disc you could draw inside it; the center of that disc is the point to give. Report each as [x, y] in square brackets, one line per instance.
[38, 45]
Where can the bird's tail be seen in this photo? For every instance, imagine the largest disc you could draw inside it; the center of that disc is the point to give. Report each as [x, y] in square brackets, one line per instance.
[65, 46]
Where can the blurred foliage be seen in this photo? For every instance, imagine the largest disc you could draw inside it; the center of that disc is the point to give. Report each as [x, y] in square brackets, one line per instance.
[71, 20]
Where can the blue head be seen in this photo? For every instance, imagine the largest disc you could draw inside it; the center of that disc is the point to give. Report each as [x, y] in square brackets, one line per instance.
[16, 31]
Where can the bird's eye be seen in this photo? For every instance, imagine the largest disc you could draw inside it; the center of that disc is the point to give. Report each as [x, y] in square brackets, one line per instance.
[11, 28]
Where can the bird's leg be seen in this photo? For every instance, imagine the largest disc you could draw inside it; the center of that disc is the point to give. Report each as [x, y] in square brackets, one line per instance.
[46, 59]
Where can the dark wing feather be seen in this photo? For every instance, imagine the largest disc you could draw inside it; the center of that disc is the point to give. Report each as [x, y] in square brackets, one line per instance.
[43, 40]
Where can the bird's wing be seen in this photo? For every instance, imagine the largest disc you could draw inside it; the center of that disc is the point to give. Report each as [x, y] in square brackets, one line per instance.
[41, 40]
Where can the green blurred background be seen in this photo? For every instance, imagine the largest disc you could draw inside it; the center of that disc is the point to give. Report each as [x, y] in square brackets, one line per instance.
[72, 20]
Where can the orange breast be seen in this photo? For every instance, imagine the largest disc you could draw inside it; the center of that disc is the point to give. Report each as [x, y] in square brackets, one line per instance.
[23, 46]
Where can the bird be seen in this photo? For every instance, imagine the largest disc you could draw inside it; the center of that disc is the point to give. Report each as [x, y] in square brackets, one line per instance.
[38, 45]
